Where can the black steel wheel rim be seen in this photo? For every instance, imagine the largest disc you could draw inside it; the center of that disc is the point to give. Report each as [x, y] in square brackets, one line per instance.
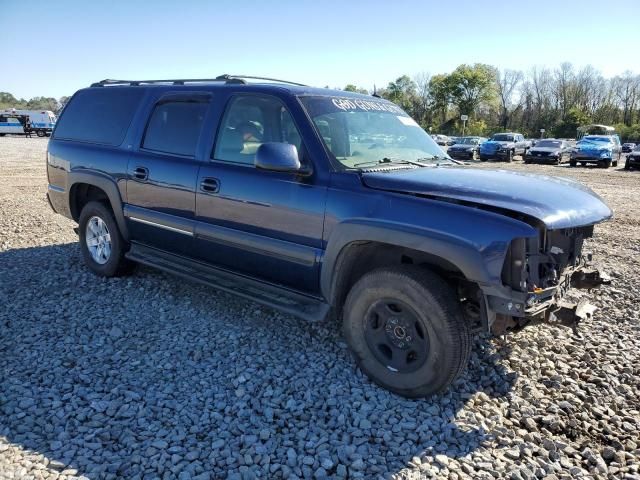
[396, 335]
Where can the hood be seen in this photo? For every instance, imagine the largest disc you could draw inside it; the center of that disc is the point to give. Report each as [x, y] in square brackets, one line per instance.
[462, 146]
[544, 149]
[557, 202]
[587, 146]
[495, 144]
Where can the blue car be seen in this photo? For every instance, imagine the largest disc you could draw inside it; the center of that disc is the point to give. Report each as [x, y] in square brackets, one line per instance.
[604, 150]
[504, 146]
[319, 203]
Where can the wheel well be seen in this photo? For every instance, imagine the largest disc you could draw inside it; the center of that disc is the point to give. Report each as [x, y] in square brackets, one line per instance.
[83, 193]
[359, 258]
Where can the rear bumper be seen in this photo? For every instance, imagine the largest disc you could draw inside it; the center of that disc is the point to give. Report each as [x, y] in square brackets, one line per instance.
[57, 198]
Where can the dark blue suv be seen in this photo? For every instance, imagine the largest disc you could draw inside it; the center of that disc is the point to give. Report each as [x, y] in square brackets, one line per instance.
[318, 202]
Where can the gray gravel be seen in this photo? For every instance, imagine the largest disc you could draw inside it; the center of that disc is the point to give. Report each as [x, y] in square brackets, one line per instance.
[152, 377]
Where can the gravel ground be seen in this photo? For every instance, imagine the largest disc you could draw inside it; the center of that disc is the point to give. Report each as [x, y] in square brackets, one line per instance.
[152, 377]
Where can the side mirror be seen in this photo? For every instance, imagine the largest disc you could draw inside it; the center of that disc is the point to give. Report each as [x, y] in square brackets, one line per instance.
[278, 157]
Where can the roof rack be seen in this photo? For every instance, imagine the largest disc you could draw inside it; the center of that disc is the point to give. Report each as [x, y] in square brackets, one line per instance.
[234, 79]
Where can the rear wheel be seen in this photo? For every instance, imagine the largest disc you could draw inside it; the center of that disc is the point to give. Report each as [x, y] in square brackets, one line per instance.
[101, 243]
[40, 133]
[406, 330]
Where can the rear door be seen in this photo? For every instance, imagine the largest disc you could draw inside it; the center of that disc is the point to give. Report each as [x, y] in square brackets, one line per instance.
[162, 173]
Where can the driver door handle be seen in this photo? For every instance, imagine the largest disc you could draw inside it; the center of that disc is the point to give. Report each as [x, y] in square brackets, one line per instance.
[141, 173]
[210, 185]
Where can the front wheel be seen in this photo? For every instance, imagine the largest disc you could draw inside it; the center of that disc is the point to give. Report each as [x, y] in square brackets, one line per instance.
[40, 133]
[101, 243]
[406, 330]
[510, 156]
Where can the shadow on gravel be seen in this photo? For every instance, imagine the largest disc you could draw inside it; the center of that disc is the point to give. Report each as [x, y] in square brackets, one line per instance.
[152, 377]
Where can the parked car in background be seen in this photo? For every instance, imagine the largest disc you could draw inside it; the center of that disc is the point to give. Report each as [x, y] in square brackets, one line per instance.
[633, 159]
[467, 148]
[605, 150]
[442, 140]
[504, 146]
[549, 150]
[455, 140]
[628, 147]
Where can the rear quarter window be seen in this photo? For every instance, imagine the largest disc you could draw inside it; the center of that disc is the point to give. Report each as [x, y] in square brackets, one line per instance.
[174, 127]
[100, 115]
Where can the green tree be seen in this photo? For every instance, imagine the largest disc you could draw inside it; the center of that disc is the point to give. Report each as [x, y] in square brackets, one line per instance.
[440, 93]
[471, 86]
[568, 126]
[352, 88]
[402, 92]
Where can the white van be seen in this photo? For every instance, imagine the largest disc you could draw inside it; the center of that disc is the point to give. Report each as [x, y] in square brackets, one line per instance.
[40, 121]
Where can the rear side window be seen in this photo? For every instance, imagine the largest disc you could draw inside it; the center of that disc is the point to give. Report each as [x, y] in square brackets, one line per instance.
[100, 115]
[174, 127]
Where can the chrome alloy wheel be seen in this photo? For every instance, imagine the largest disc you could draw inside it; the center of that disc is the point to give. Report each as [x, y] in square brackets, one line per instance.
[98, 240]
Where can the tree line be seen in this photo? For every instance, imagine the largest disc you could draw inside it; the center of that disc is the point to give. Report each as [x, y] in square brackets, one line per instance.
[7, 100]
[557, 100]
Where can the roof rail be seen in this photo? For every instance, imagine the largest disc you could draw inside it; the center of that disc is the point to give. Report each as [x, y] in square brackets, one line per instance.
[230, 79]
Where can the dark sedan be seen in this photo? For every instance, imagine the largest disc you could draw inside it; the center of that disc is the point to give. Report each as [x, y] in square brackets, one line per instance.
[466, 148]
[628, 147]
[549, 150]
[633, 159]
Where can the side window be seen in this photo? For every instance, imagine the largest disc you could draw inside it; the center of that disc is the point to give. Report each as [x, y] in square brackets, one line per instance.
[250, 121]
[174, 127]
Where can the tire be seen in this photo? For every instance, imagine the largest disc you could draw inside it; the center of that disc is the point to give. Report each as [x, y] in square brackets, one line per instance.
[510, 156]
[572, 163]
[483, 159]
[606, 164]
[627, 166]
[426, 314]
[40, 133]
[114, 264]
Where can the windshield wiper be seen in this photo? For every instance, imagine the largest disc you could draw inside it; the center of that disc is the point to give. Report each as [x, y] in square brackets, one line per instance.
[438, 157]
[390, 160]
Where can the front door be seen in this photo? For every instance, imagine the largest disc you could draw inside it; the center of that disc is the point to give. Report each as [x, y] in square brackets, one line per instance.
[260, 223]
[162, 175]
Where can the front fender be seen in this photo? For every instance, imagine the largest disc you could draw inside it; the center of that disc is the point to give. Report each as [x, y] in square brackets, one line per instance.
[480, 263]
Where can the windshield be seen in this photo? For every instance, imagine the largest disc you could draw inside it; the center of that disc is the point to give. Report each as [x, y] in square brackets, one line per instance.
[501, 137]
[596, 139]
[360, 132]
[549, 143]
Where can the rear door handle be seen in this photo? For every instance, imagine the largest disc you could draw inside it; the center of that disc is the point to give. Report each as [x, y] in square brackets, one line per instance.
[141, 173]
[210, 185]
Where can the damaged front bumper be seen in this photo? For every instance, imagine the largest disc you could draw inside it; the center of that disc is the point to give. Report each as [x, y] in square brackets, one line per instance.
[520, 308]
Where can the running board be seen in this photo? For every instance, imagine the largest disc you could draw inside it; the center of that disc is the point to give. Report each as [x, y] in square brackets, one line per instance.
[303, 306]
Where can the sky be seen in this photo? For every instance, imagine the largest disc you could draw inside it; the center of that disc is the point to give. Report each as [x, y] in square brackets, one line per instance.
[53, 48]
